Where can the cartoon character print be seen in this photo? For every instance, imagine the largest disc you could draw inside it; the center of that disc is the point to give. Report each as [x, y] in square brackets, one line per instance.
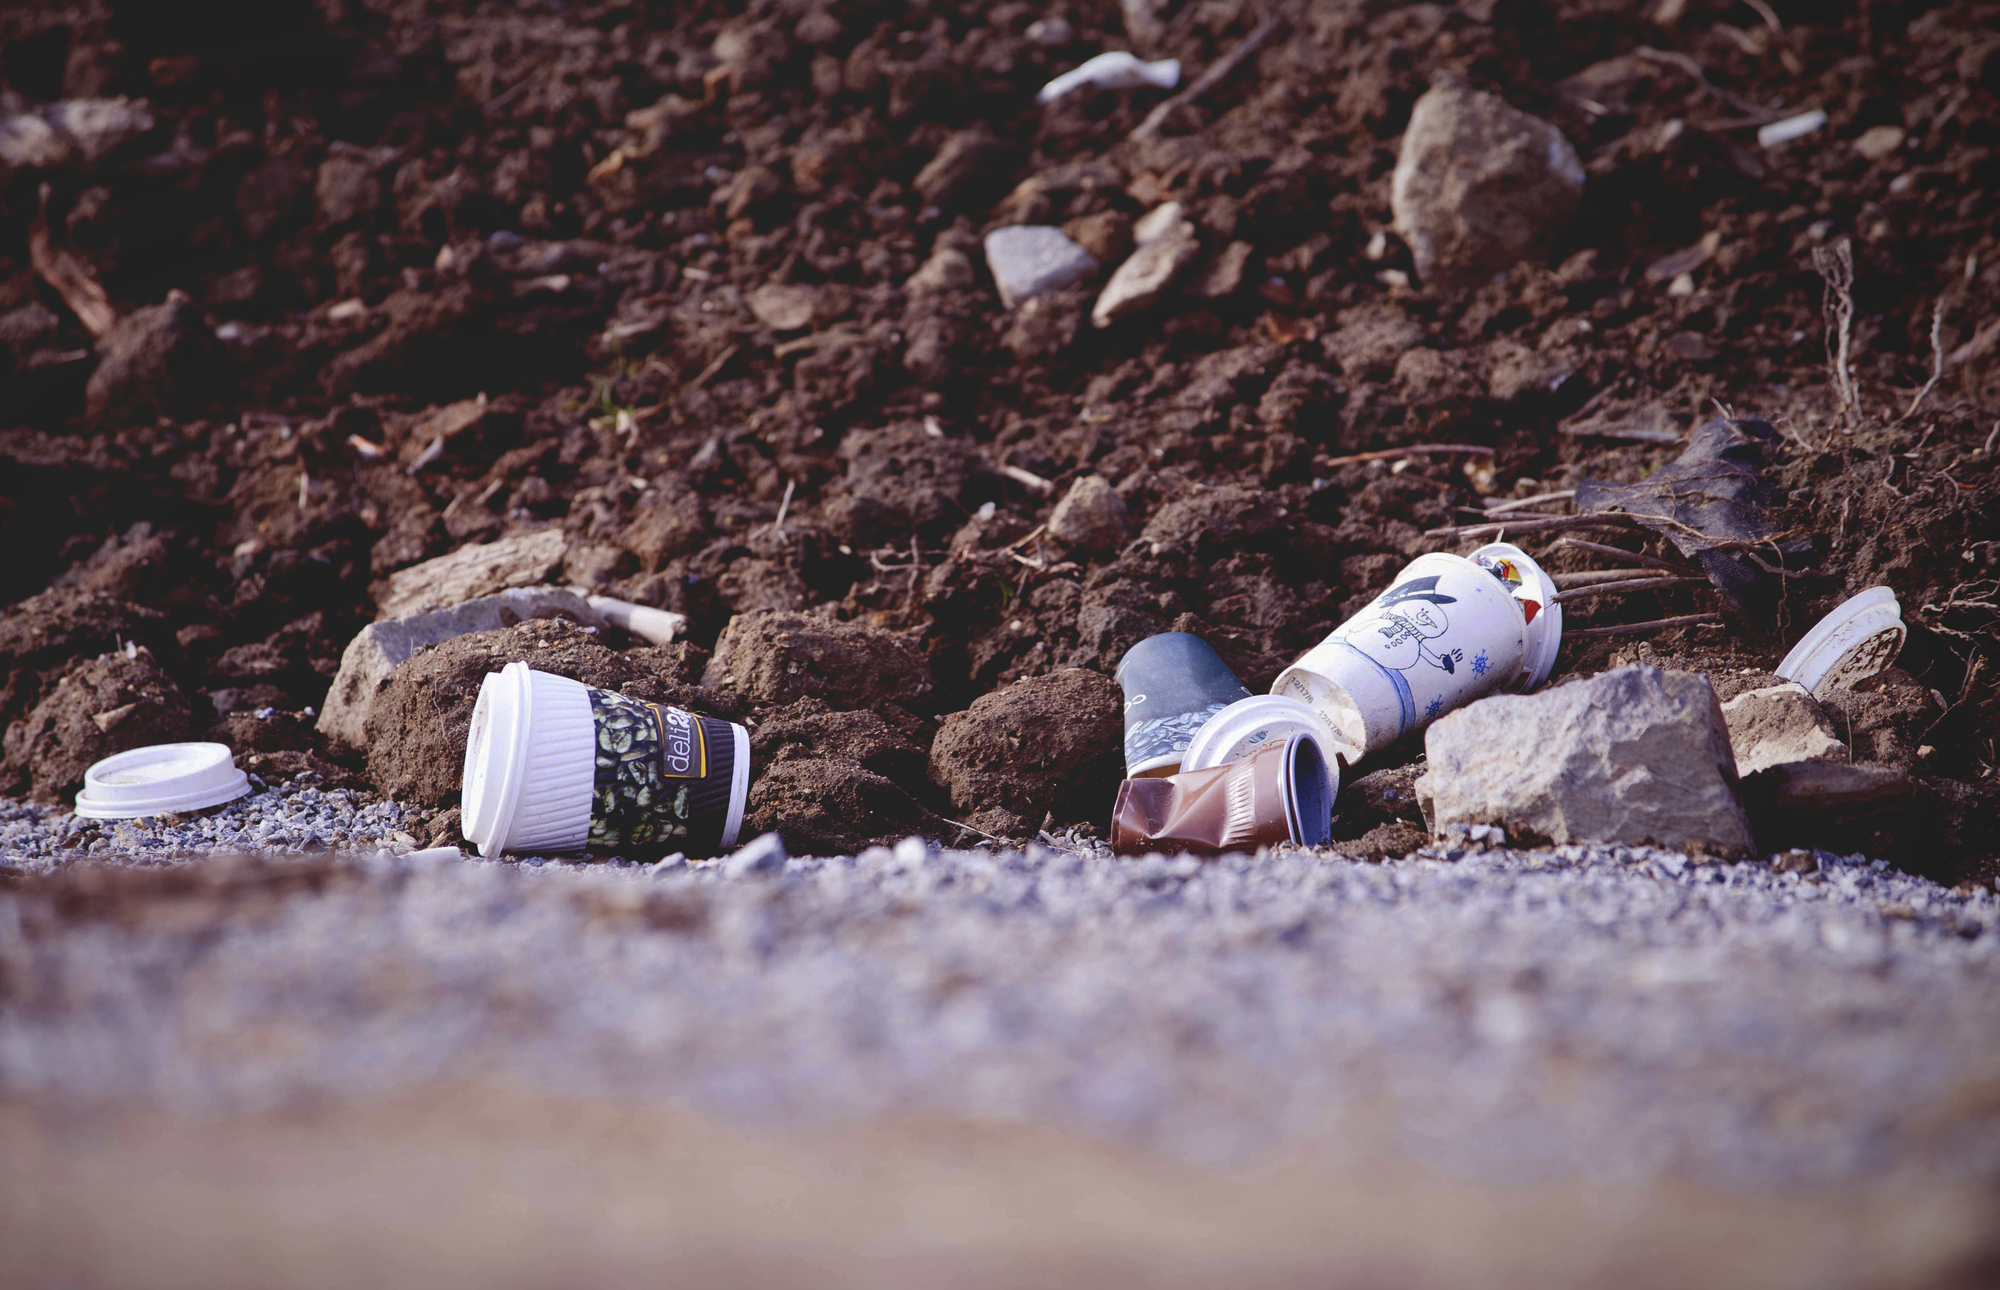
[1411, 615]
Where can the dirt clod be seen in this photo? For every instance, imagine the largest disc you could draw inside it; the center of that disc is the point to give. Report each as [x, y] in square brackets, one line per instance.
[773, 657]
[1048, 743]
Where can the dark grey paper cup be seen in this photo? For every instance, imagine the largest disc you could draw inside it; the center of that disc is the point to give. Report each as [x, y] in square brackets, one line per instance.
[553, 765]
[1174, 682]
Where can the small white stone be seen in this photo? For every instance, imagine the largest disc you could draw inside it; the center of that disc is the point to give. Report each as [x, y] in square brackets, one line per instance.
[1028, 260]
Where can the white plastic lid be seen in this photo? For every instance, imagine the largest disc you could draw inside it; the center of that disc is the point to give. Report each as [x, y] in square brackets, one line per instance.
[1251, 725]
[1544, 631]
[159, 779]
[530, 764]
[1858, 639]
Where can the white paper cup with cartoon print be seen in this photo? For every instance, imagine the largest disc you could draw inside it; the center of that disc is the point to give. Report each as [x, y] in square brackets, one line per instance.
[1448, 630]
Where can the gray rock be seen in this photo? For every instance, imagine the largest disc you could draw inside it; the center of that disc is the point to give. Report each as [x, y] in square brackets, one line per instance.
[1166, 249]
[524, 560]
[1479, 184]
[948, 270]
[71, 132]
[380, 646]
[1778, 724]
[1028, 260]
[1091, 516]
[763, 854]
[1635, 755]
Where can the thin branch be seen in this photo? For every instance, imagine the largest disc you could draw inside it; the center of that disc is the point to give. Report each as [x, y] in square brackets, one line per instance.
[1414, 450]
[1641, 557]
[1608, 520]
[1628, 629]
[1523, 503]
[1625, 588]
[1216, 73]
[1596, 577]
[1835, 265]
[70, 277]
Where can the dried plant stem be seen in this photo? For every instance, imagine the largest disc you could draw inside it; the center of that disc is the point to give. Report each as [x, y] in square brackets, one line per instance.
[1595, 577]
[1937, 359]
[1640, 557]
[1414, 450]
[1835, 265]
[1523, 503]
[1627, 587]
[1214, 75]
[1629, 629]
[1518, 528]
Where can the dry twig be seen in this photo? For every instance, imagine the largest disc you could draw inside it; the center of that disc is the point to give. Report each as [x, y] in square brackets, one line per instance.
[1835, 265]
[1625, 588]
[1640, 557]
[1209, 79]
[1606, 520]
[1937, 359]
[1629, 629]
[69, 276]
[1414, 450]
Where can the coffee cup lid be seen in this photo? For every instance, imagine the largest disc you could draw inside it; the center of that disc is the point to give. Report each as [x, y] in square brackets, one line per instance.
[1251, 725]
[1859, 638]
[159, 779]
[530, 763]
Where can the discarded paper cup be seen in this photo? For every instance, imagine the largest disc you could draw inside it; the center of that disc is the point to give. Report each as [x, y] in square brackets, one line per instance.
[160, 779]
[1281, 794]
[1448, 630]
[555, 765]
[1858, 639]
[1249, 726]
[1174, 682]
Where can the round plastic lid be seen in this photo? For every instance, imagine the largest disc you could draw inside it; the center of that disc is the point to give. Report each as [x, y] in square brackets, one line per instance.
[1859, 638]
[159, 779]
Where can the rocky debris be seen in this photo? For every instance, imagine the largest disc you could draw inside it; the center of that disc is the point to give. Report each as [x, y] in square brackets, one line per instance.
[832, 806]
[971, 163]
[153, 360]
[774, 657]
[101, 706]
[1167, 244]
[41, 636]
[1027, 260]
[783, 306]
[417, 725]
[1377, 816]
[1478, 183]
[346, 190]
[903, 478]
[1633, 755]
[71, 132]
[1878, 810]
[524, 560]
[1778, 724]
[1046, 743]
[1223, 275]
[810, 730]
[1091, 516]
[764, 853]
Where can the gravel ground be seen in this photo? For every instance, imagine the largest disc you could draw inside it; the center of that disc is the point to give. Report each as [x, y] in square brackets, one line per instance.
[1607, 1013]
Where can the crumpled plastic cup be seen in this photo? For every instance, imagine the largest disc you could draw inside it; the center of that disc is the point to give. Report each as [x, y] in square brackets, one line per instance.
[1281, 794]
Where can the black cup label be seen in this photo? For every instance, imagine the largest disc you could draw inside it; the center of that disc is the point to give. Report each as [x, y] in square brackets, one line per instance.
[663, 777]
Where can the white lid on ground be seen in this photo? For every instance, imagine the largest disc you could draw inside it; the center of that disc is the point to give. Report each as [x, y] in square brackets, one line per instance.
[1861, 637]
[1251, 725]
[159, 779]
[530, 764]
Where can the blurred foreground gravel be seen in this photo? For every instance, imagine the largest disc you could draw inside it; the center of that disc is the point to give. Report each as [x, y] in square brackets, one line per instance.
[1610, 1013]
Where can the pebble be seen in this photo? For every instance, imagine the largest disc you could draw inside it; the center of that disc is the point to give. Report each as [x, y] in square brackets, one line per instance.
[1167, 246]
[1028, 260]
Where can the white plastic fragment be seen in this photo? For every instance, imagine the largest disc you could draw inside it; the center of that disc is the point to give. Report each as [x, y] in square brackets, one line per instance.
[1116, 70]
[1792, 127]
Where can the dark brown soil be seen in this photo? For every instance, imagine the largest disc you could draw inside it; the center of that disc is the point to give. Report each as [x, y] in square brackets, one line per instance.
[717, 275]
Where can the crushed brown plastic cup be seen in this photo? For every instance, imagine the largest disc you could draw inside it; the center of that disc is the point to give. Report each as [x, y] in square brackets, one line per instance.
[1282, 794]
